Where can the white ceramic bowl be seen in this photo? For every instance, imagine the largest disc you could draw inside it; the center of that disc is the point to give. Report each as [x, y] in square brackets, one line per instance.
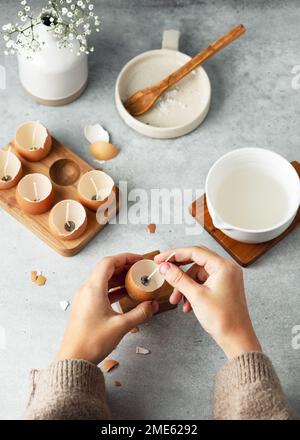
[252, 194]
[179, 112]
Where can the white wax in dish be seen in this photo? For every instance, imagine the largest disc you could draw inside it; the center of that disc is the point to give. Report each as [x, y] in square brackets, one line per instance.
[251, 199]
[180, 104]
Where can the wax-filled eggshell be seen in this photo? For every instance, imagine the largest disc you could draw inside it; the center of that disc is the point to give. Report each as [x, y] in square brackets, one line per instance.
[102, 150]
[58, 218]
[11, 166]
[87, 191]
[33, 141]
[25, 194]
[133, 283]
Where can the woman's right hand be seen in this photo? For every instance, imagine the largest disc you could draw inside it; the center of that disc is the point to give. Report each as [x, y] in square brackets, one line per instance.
[213, 288]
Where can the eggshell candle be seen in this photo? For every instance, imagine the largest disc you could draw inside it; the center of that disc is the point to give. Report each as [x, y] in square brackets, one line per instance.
[135, 287]
[68, 220]
[94, 188]
[33, 141]
[10, 169]
[35, 194]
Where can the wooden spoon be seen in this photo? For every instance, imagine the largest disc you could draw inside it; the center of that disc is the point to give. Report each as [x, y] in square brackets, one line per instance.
[142, 100]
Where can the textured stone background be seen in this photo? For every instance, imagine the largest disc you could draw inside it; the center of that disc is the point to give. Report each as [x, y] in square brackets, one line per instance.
[253, 104]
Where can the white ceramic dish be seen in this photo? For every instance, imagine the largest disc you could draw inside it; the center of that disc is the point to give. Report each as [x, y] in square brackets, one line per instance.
[252, 194]
[179, 110]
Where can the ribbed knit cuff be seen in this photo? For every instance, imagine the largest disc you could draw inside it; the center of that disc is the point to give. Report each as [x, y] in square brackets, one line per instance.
[246, 369]
[70, 374]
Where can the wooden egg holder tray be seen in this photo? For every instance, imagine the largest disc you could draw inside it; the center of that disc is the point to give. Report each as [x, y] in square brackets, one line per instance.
[244, 253]
[68, 170]
[126, 303]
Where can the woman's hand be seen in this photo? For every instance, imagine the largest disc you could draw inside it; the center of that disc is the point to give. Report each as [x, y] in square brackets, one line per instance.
[213, 288]
[94, 328]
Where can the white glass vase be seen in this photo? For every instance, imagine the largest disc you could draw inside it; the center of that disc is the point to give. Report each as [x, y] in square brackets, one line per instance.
[53, 75]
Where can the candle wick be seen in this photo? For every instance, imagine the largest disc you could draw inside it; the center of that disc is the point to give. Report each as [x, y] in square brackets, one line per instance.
[67, 214]
[155, 270]
[95, 187]
[34, 134]
[35, 192]
[7, 161]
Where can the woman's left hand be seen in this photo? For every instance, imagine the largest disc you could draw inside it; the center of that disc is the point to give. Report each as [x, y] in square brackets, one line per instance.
[94, 328]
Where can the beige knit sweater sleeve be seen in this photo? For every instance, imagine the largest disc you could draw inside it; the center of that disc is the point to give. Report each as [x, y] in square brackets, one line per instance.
[67, 390]
[248, 388]
[245, 388]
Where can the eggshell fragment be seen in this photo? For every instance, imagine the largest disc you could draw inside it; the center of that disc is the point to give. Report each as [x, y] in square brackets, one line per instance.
[41, 280]
[142, 350]
[11, 166]
[33, 276]
[101, 150]
[94, 133]
[109, 364]
[134, 286]
[58, 219]
[64, 305]
[152, 228]
[33, 141]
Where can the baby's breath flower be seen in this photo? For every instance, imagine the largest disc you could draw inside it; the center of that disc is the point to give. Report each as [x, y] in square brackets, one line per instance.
[71, 21]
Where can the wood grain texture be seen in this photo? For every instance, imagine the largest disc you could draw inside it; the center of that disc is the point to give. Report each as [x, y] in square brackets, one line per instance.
[244, 253]
[38, 224]
[163, 294]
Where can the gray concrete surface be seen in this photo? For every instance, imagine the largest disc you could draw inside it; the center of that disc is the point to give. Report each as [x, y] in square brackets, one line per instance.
[253, 104]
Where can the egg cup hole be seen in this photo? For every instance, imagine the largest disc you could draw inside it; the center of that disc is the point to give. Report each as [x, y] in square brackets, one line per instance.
[64, 172]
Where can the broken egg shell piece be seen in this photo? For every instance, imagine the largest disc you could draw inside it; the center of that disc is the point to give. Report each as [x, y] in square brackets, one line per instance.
[25, 194]
[109, 364]
[33, 275]
[33, 141]
[64, 305]
[142, 350]
[103, 151]
[41, 280]
[95, 133]
[57, 219]
[134, 286]
[86, 188]
[13, 169]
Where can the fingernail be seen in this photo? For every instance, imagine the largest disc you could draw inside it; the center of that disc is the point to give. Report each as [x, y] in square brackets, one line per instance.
[163, 268]
[155, 306]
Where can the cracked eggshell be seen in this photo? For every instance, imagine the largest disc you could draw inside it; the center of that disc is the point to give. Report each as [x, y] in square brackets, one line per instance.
[94, 133]
[102, 151]
[57, 219]
[33, 134]
[86, 189]
[25, 194]
[135, 289]
[14, 169]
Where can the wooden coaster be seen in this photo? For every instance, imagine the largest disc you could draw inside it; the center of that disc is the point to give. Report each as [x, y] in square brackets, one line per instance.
[244, 253]
[64, 168]
[127, 304]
